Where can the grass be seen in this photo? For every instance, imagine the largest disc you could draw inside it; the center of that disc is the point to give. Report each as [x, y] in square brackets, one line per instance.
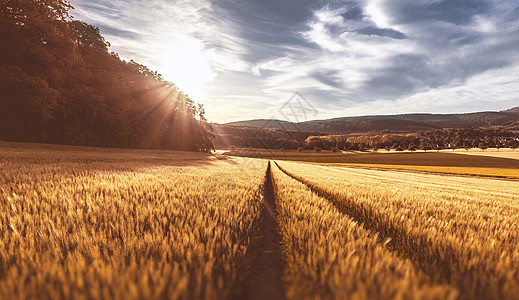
[460, 231]
[87, 223]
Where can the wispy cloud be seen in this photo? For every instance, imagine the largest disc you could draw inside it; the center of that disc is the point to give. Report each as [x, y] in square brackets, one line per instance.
[244, 58]
[380, 56]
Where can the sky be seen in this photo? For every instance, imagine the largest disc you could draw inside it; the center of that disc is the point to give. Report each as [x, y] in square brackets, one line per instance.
[246, 59]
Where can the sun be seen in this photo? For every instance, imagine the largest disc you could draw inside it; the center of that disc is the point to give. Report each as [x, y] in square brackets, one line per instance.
[187, 64]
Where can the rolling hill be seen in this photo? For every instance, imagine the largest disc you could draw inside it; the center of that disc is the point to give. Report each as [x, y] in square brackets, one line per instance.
[264, 133]
[514, 110]
[406, 123]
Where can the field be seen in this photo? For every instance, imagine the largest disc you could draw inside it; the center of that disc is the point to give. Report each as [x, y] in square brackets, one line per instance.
[91, 223]
[124, 224]
[329, 255]
[460, 231]
[502, 164]
[503, 153]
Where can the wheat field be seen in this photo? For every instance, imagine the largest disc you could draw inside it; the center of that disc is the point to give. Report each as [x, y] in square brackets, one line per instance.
[90, 223]
[124, 224]
[329, 255]
[461, 231]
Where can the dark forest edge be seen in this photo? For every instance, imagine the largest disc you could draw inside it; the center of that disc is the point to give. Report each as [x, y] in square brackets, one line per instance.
[60, 84]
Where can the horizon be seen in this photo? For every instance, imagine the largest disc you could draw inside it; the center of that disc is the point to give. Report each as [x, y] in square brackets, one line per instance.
[244, 59]
[374, 115]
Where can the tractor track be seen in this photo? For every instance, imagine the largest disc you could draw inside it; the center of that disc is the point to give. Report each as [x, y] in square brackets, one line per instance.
[266, 278]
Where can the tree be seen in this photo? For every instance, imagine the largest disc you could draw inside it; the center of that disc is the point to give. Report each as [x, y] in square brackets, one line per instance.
[424, 146]
[512, 144]
[482, 146]
[60, 84]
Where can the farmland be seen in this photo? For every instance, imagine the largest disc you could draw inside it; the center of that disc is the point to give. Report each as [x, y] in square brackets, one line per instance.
[503, 153]
[460, 231]
[330, 255]
[489, 164]
[124, 224]
[92, 223]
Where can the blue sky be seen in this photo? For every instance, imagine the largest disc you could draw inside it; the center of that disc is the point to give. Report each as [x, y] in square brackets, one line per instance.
[243, 59]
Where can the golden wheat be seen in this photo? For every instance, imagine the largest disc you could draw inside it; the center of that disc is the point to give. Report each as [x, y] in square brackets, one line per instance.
[463, 230]
[329, 256]
[124, 224]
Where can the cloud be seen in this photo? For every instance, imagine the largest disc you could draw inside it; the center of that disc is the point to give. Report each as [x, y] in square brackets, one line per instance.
[382, 53]
[345, 56]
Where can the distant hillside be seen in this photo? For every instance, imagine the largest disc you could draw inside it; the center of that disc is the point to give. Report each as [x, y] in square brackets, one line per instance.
[259, 137]
[408, 123]
[514, 110]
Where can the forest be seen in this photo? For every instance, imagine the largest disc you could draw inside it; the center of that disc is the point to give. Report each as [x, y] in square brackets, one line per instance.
[464, 138]
[60, 83]
[451, 138]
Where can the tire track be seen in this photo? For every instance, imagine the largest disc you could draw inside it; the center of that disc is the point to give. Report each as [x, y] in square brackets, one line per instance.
[417, 248]
[266, 279]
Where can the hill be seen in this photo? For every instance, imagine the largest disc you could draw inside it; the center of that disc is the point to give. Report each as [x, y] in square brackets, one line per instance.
[406, 123]
[259, 137]
[514, 110]
[276, 134]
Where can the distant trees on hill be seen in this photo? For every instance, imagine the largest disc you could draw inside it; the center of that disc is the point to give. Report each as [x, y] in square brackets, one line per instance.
[466, 138]
[424, 140]
[60, 84]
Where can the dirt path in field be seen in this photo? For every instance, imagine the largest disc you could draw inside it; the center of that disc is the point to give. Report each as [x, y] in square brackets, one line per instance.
[266, 280]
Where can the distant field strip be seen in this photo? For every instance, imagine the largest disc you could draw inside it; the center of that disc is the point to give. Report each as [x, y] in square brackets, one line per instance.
[329, 256]
[474, 171]
[503, 153]
[456, 235]
[469, 186]
[502, 166]
[125, 224]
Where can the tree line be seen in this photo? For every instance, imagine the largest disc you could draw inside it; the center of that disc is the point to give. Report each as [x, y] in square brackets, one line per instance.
[59, 83]
[464, 138]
